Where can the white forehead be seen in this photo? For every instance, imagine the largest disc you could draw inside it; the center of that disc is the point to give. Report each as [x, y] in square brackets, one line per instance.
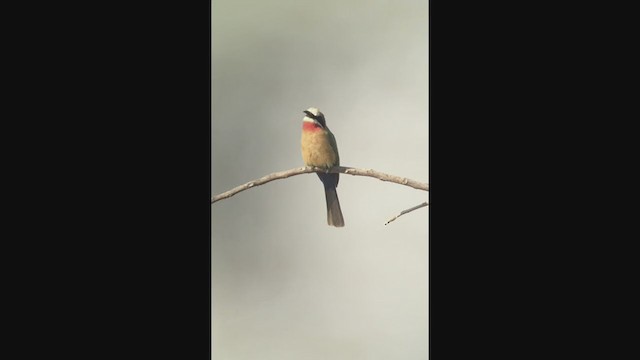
[314, 111]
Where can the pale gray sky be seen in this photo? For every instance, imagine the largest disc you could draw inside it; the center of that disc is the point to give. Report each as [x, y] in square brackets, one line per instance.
[286, 285]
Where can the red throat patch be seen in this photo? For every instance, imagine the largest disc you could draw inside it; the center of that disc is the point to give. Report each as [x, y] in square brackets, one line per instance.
[309, 126]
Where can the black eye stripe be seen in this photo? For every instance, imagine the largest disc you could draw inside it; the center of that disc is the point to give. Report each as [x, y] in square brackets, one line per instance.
[310, 114]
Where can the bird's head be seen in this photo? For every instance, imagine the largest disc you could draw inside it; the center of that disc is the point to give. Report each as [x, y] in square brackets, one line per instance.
[313, 115]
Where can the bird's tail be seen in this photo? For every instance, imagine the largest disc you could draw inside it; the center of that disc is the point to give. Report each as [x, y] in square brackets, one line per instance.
[334, 213]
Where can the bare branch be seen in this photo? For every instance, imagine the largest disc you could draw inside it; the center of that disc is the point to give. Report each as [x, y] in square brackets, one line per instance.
[336, 169]
[406, 211]
[381, 176]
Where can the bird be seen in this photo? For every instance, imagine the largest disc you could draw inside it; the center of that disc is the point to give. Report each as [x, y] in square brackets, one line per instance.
[319, 149]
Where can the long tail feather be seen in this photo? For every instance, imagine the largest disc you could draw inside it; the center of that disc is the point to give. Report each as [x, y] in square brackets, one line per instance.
[334, 213]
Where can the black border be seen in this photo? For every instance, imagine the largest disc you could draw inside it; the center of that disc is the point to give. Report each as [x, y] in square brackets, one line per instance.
[125, 252]
[430, 257]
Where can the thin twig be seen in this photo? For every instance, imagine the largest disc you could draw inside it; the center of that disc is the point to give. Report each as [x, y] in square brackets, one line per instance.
[406, 211]
[336, 169]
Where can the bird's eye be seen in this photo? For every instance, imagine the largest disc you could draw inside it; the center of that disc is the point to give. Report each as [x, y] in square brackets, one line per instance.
[310, 114]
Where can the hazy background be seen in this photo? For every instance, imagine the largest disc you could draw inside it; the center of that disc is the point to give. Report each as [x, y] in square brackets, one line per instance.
[286, 285]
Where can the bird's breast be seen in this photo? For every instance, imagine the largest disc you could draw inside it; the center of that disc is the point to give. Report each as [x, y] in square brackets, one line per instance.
[317, 149]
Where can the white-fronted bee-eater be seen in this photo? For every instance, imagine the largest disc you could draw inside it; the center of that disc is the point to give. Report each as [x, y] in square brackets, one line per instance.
[319, 149]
